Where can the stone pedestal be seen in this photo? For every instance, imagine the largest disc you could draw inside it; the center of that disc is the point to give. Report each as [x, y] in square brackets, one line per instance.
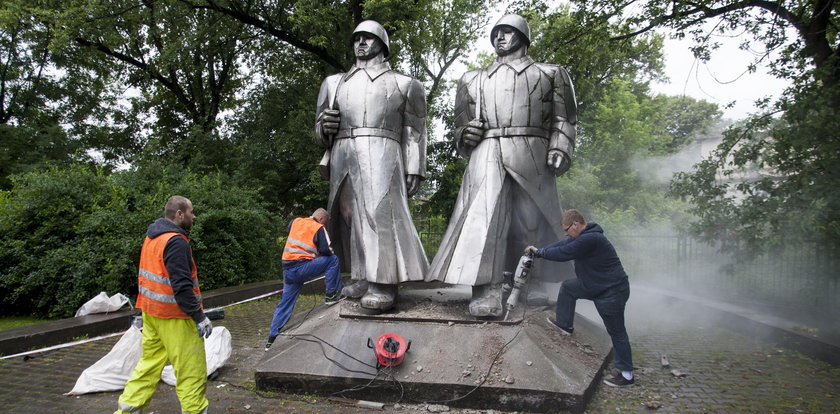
[522, 364]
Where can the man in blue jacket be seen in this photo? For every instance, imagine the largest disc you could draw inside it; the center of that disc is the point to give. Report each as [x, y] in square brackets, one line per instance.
[600, 278]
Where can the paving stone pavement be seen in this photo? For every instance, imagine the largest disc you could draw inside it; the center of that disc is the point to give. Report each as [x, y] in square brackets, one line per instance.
[725, 371]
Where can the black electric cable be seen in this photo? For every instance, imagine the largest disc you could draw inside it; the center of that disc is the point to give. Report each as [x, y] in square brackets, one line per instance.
[387, 373]
[321, 344]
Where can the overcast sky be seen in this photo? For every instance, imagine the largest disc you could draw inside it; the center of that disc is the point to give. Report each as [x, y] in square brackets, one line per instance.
[722, 80]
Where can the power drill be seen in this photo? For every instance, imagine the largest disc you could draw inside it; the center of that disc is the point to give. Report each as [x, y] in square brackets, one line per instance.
[520, 277]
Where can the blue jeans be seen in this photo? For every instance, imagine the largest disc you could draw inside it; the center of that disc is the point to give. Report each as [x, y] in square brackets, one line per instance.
[293, 280]
[610, 305]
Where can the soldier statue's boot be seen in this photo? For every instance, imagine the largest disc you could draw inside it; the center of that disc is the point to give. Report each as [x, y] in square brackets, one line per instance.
[486, 301]
[356, 290]
[379, 296]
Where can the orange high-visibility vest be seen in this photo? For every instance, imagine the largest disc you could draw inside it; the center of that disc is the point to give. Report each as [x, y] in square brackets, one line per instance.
[301, 241]
[156, 296]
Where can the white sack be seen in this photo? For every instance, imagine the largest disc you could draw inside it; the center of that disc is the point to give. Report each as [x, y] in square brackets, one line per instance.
[217, 351]
[101, 303]
[114, 369]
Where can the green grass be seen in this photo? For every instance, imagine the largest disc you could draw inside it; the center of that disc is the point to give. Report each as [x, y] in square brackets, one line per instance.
[18, 321]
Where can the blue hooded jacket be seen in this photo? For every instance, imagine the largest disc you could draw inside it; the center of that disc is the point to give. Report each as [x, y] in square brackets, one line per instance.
[596, 263]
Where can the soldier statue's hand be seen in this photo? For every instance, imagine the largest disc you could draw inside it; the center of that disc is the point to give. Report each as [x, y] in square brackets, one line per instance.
[473, 133]
[558, 161]
[329, 120]
[412, 184]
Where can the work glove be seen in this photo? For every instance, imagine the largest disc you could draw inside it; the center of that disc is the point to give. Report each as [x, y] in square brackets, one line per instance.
[532, 251]
[204, 327]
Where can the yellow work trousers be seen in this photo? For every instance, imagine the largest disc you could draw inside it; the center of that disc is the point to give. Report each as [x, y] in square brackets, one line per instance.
[174, 340]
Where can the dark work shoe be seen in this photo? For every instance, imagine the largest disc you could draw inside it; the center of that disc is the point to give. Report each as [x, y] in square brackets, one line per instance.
[268, 344]
[563, 331]
[333, 298]
[619, 381]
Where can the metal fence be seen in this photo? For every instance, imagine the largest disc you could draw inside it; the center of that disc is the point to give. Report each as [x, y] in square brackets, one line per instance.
[803, 275]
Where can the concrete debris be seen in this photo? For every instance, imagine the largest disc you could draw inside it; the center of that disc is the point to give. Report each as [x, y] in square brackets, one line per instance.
[529, 363]
[677, 373]
[664, 361]
[509, 379]
[437, 408]
[466, 373]
[653, 404]
[370, 404]
[419, 368]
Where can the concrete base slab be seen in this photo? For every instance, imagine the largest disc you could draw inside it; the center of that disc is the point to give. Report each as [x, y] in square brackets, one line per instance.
[522, 364]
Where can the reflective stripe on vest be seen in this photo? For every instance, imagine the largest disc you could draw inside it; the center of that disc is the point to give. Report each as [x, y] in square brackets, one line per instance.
[155, 296]
[301, 241]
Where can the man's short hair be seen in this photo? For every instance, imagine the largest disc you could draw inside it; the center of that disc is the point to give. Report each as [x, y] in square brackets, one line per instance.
[174, 204]
[320, 213]
[572, 216]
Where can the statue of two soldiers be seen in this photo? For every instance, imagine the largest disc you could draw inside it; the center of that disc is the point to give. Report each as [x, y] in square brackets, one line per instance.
[515, 121]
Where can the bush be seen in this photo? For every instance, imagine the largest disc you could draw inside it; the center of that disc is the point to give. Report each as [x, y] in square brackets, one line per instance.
[68, 233]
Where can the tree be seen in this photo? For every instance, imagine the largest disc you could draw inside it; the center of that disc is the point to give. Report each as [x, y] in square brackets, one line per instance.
[792, 141]
[49, 268]
[628, 130]
[39, 95]
[813, 25]
[184, 63]
[681, 118]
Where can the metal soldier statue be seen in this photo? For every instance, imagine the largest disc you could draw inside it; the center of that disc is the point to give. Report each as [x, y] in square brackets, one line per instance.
[372, 120]
[515, 120]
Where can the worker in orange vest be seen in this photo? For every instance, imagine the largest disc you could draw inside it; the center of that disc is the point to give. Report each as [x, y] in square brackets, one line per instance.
[307, 254]
[174, 323]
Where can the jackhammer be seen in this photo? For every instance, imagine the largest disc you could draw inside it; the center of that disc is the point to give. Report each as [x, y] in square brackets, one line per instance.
[515, 282]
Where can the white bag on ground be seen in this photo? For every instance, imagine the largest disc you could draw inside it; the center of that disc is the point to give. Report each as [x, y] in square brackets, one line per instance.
[101, 303]
[114, 369]
[217, 350]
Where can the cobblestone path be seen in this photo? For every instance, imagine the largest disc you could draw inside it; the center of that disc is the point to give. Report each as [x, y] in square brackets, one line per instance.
[724, 371]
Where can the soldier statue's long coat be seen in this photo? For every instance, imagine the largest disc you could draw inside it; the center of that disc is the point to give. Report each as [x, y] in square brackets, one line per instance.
[508, 198]
[381, 139]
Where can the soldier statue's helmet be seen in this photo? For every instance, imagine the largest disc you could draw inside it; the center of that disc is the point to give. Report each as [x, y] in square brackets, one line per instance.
[515, 21]
[374, 28]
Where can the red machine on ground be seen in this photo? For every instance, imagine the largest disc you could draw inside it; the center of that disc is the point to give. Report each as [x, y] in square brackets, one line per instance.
[390, 349]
